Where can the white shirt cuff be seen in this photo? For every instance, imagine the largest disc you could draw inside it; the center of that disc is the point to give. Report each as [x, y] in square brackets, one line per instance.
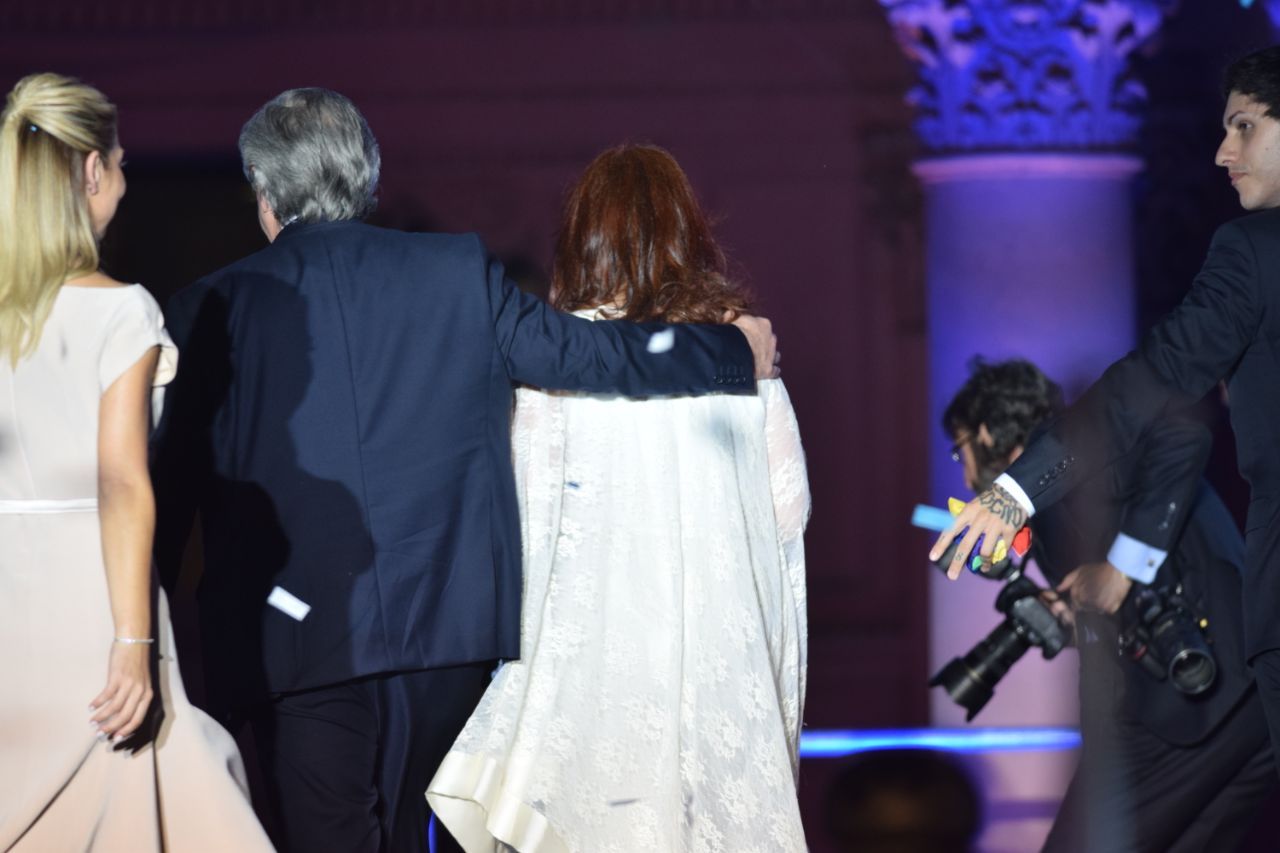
[1011, 486]
[1136, 559]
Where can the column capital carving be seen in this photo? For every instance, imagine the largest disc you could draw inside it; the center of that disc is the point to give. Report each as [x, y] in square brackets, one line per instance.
[1026, 75]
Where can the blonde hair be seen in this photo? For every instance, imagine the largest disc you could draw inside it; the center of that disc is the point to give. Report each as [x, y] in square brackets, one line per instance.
[49, 126]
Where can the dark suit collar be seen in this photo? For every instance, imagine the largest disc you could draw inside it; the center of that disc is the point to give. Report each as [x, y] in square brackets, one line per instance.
[296, 229]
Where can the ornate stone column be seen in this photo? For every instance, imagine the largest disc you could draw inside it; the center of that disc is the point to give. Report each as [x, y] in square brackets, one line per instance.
[1028, 109]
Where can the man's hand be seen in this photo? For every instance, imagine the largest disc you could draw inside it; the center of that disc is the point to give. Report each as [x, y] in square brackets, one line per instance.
[764, 345]
[1096, 586]
[993, 515]
[1059, 607]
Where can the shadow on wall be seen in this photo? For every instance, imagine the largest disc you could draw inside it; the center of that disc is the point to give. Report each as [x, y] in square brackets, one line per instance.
[903, 801]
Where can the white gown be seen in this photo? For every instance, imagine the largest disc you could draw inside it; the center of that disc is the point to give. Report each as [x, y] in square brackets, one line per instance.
[658, 703]
[61, 791]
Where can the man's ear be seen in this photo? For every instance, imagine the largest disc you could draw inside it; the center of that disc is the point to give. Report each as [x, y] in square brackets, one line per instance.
[984, 436]
[267, 220]
[1015, 453]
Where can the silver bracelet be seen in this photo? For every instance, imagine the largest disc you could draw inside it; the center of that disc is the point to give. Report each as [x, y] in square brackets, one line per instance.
[134, 641]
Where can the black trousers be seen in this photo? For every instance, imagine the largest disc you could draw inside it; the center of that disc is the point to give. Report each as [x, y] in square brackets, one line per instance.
[1135, 792]
[345, 767]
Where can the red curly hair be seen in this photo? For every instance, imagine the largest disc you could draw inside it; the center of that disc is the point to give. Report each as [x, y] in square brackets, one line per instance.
[633, 235]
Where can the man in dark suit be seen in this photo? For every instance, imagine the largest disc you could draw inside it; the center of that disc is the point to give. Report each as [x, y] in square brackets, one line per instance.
[1159, 769]
[1227, 327]
[340, 421]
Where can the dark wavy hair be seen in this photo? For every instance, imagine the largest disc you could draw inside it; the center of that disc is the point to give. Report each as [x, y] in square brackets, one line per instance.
[1011, 398]
[1256, 75]
[633, 235]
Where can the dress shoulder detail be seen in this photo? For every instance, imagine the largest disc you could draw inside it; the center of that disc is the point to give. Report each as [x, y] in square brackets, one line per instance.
[136, 325]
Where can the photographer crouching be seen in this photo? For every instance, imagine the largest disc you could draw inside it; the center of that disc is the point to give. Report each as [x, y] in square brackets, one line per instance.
[1145, 563]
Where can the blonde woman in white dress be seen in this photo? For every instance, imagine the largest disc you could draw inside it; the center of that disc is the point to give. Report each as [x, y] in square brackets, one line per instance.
[658, 701]
[85, 768]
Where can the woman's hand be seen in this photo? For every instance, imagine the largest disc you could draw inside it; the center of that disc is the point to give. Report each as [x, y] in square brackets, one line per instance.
[120, 708]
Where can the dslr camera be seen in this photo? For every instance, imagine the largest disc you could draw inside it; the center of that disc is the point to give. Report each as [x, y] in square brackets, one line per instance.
[971, 680]
[1159, 630]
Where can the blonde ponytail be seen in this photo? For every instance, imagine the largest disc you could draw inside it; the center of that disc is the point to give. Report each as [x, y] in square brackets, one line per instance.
[49, 126]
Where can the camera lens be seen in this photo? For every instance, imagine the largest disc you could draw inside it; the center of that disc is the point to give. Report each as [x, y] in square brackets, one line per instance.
[1192, 671]
[971, 680]
[1177, 639]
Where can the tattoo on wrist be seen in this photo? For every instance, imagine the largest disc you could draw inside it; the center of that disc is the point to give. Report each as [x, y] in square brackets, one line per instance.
[1003, 506]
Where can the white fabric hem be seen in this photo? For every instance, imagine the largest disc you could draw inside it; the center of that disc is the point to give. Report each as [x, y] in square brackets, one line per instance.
[467, 795]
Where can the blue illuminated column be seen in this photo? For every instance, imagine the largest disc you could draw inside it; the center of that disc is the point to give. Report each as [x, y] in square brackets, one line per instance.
[1273, 12]
[1028, 110]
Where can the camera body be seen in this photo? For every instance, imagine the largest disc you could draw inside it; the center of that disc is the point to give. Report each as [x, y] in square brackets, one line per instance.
[1161, 632]
[1028, 622]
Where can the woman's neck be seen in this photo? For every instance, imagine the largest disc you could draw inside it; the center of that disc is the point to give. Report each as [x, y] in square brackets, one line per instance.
[93, 279]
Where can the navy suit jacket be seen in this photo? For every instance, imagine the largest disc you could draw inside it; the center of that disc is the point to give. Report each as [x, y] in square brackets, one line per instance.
[1155, 494]
[340, 420]
[1227, 327]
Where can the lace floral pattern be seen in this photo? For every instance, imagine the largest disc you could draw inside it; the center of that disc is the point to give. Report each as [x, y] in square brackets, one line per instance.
[658, 703]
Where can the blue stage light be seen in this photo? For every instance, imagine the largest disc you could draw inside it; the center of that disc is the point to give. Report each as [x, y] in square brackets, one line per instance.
[836, 743]
[931, 518]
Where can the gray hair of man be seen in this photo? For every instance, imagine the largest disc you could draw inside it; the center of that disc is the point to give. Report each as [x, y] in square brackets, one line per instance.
[310, 154]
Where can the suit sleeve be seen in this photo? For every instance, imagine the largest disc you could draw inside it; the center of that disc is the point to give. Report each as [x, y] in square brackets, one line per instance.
[1179, 360]
[1157, 501]
[548, 349]
[180, 448]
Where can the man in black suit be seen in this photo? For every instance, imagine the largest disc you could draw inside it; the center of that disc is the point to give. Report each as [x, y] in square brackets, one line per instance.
[1159, 769]
[340, 420]
[1227, 327]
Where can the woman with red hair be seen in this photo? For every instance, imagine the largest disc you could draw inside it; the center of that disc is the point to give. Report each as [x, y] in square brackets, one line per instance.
[657, 705]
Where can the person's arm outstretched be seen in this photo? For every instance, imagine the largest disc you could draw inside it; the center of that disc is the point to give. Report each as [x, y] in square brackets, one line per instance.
[1179, 360]
[545, 348]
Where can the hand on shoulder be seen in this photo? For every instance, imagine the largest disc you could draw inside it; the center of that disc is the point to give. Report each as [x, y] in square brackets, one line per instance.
[764, 345]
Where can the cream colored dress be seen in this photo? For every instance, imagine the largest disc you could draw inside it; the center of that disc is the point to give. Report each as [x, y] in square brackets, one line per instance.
[657, 704]
[61, 790]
